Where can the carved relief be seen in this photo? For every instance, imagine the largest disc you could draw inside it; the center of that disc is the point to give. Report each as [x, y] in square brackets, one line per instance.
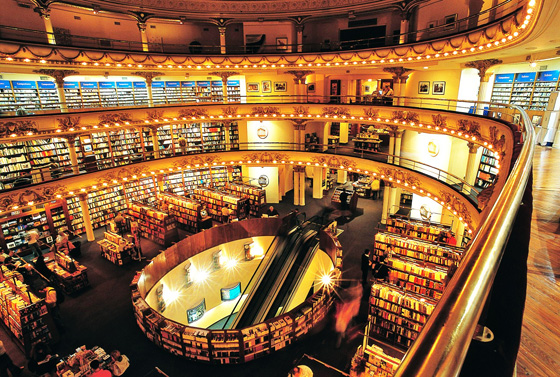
[335, 162]
[301, 110]
[154, 114]
[406, 116]
[370, 112]
[439, 121]
[486, 194]
[266, 157]
[399, 176]
[456, 206]
[119, 174]
[193, 113]
[20, 127]
[469, 127]
[68, 123]
[229, 111]
[114, 119]
[196, 161]
[335, 111]
[267, 110]
[35, 195]
[497, 141]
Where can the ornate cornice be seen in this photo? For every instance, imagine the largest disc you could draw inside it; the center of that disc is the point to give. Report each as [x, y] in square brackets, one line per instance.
[58, 74]
[224, 75]
[199, 161]
[482, 66]
[456, 206]
[469, 127]
[266, 157]
[31, 196]
[370, 112]
[400, 74]
[299, 76]
[335, 112]
[193, 113]
[299, 124]
[265, 111]
[148, 76]
[406, 116]
[301, 110]
[68, 124]
[335, 162]
[116, 119]
[399, 177]
[439, 121]
[230, 111]
[18, 128]
[115, 176]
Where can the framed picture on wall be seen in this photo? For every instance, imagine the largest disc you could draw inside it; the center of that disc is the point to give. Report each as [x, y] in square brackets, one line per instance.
[449, 22]
[438, 88]
[424, 87]
[252, 86]
[280, 86]
[267, 86]
[281, 44]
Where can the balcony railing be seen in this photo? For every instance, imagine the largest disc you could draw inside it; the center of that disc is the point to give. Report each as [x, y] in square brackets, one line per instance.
[450, 27]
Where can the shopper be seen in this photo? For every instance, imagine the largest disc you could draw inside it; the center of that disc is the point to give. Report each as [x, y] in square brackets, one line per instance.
[136, 240]
[97, 371]
[6, 363]
[54, 168]
[119, 363]
[51, 299]
[375, 186]
[32, 238]
[120, 222]
[42, 360]
[63, 244]
[343, 199]
[225, 214]
[366, 267]
[272, 212]
[387, 94]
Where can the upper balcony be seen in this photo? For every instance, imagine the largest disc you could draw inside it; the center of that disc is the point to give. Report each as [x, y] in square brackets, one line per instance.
[373, 35]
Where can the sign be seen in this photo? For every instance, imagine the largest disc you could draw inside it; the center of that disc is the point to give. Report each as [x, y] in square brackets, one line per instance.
[107, 84]
[263, 180]
[172, 84]
[233, 83]
[139, 84]
[46, 85]
[203, 84]
[88, 84]
[71, 85]
[19, 84]
[188, 84]
[548, 76]
[158, 84]
[5, 84]
[195, 313]
[525, 77]
[217, 83]
[504, 78]
[231, 293]
[262, 132]
[124, 84]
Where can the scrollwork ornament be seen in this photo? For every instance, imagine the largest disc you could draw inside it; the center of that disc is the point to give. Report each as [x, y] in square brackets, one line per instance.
[334, 162]
[406, 116]
[197, 161]
[399, 177]
[266, 157]
[335, 111]
[230, 111]
[266, 110]
[118, 175]
[370, 112]
[18, 128]
[469, 127]
[115, 119]
[301, 110]
[192, 113]
[154, 115]
[27, 197]
[68, 123]
[439, 121]
[457, 206]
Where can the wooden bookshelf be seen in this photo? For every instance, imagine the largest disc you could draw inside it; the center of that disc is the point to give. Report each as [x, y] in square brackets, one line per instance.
[71, 275]
[186, 211]
[418, 229]
[215, 200]
[143, 190]
[487, 169]
[15, 225]
[105, 204]
[255, 195]
[154, 225]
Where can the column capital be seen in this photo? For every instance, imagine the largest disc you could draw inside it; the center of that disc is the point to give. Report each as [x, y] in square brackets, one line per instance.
[482, 66]
[222, 30]
[400, 74]
[148, 76]
[300, 76]
[473, 148]
[299, 169]
[82, 196]
[394, 131]
[58, 74]
[225, 74]
[299, 124]
[142, 26]
[43, 11]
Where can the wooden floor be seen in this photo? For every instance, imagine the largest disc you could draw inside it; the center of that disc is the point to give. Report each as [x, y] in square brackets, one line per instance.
[539, 354]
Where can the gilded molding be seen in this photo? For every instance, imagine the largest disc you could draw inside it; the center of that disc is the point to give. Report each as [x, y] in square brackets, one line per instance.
[117, 175]
[68, 123]
[18, 128]
[197, 161]
[154, 115]
[299, 124]
[32, 195]
[470, 127]
[148, 76]
[266, 157]
[265, 111]
[115, 119]
[301, 110]
[485, 195]
[457, 206]
[334, 162]
[398, 176]
[57, 74]
[406, 116]
[193, 113]
[370, 112]
[230, 111]
[482, 66]
[439, 120]
[335, 111]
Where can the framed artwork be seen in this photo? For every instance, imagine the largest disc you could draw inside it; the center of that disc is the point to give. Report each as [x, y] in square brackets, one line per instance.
[281, 44]
[267, 86]
[252, 86]
[438, 88]
[280, 86]
[449, 21]
[424, 87]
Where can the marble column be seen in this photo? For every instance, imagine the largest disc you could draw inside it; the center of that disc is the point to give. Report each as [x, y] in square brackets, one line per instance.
[317, 182]
[398, 143]
[299, 37]
[484, 88]
[45, 14]
[386, 202]
[59, 75]
[72, 153]
[86, 216]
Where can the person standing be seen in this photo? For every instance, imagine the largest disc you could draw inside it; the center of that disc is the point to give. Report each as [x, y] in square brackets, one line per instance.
[120, 222]
[33, 241]
[366, 266]
[54, 168]
[343, 199]
[6, 363]
[97, 371]
[225, 214]
[375, 187]
[119, 363]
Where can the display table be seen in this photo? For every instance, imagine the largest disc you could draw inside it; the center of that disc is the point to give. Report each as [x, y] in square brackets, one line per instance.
[77, 364]
[71, 275]
[115, 248]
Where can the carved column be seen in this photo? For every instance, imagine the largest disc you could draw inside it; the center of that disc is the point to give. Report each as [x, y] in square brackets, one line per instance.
[299, 81]
[470, 174]
[386, 202]
[405, 26]
[224, 76]
[59, 75]
[299, 134]
[483, 90]
[45, 14]
[398, 142]
[143, 35]
[72, 153]
[222, 30]
[400, 76]
[148, 76]
[86, 216]
[393, 131]
[296, 186]
[299, 37]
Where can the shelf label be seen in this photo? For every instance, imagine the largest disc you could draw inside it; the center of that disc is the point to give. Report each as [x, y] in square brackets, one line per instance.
[139, 84]
[124, 84]
[88, 84]
[504, 78]
[172, 84]
[188, 84]
[20, 84]
[525, 77]
[233, 82]
[46, 85]
[106, 84]
[71, 85]
[548, 76]
[203, 84]
[5, 84]
[158, 84]
[217, 83]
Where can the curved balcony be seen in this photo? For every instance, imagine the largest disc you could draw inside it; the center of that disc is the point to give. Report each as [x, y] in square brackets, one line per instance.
[501, 26]
[444, 341]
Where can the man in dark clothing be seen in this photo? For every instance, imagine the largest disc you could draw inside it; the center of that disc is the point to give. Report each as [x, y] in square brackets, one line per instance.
[343, 199]
[271, 212]
[366, 266]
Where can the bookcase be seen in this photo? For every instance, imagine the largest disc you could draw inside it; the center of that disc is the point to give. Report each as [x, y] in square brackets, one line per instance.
[366, 142]
[215, 200]
[165, 140]
[254, 194]
[186, 211]
[417, 229]
[214, 176]
[233, 91]
[58, 216]
[105, 204]
[188, 91]
[16, 224]
[25, 314]
[71, 275]
[378, 362]
[487, 169]
[213, 138]
[425, 279]
[26, 94]
[158, 93]
[125, 146]
[48, 95]
[101, 148]
[362, 186]
[140, 93]
[171, 338]
[73, 95]
[217, 91]
[89, 91]
[13, 158]
[530, 90]
[154, 225]
[143, 190]
[115, 248]
[173, 183]
[203, 91]
[75, 215]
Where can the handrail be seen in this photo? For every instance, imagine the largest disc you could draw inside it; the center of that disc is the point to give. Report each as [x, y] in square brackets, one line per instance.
[468, 23]
[442, 345]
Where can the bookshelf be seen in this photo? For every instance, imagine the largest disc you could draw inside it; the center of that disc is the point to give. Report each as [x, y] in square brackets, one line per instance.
[154, 225]
[215, 200]
[71, 275]
[233, 91]
[255, 195]
[213, 138]
[173, 92]
[378, 362]
[115, 248]
[108, 94]
[89, 91]
[73, 95]
[48, 95]
[501, 91]
[14, 228]
[101, 147]
[362, 186]
[174, 183]
[24, 314]
[158, 92]
[105, 204]
[75, 215]
[140, 93]
[126, 146]
[7, 100]
[26, 94]
[188, 91]
[203, 91]
[57, 216]
[417, 229]
[217, 91]
[487, 169]
[165, 140]
[186, 211]
[530, 90]
[143, 190]
[125, 93]
[413, 276]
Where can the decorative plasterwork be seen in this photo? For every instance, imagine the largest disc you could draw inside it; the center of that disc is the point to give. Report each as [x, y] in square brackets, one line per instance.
[224, 75]
[482, 66]
[469, 127]
[399, 177]
[299, 124]
[485, 195]
[406, 116]
[301, 110]
[370, 112]
[30, 196]
[115, 119]
[20, 127]
[459, 209]
[58, 74]
[497, 140]
[335, 162]
[439, 120]
[299, 76]
[154, 115]
[335, 111]
[265, 111]
[266, 157]
[197, 161]
[229, 112]
[400, 74]
[115, 176]
[148, 76]
[193, 113]
[68, 124]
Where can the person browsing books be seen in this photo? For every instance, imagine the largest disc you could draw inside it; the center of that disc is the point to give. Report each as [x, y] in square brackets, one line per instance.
[271, 212]
[33, 237]
[97, 371]
[119, 363]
